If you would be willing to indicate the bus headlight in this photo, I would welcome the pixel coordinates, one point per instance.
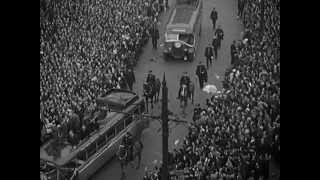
(177, 44)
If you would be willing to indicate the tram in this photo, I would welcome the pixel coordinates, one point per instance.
(124, 114)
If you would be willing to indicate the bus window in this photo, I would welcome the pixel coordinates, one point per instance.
(101, 141)
(82, 156)
(91, 150)
(128, 120)
(120, 126)
(188, 38)
(111, 133)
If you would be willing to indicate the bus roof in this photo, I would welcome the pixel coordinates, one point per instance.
(67, 154)
(183, 19)
(117, 98)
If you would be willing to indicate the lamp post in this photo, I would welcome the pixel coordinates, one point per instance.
(164, 117)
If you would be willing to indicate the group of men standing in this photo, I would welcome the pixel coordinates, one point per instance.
(211, 51)
(201, 73)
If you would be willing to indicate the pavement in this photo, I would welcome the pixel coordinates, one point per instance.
(151, 136)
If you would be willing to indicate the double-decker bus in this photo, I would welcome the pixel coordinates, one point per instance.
(124, 114)
(183, 30)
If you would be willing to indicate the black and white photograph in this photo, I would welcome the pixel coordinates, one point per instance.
(159, 89)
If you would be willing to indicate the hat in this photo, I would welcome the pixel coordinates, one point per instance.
(185, 72)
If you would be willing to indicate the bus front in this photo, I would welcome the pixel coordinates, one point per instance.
(179, 45)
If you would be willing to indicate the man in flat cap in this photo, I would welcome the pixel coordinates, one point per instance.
(209, 55)
(201, 72)
(214, 17)
(220, 34)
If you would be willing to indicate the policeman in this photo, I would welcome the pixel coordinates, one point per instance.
(214, 17)
(201, 72)
(185, 79)
(219, 33)
(215, 45)
(209, 55)
(196, 112)
(151, 77)
(122, 83)
(145, 88)
(233, 51)
(122, 153)
(129, 145)
(154, 35)
(129, 75)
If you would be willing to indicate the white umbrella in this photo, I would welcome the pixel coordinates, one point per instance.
(210, 88)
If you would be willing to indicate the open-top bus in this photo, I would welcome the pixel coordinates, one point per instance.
(124, 115)
(183, 30)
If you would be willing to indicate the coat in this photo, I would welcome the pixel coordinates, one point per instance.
(208, 52)
(151, 78)
(130, 77)
(155, 33)
(184, 80)
(233, 49)
(219, 33)
(214, 15)
(201, 72)
(215, 43)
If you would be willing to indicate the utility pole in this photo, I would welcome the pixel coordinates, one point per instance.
(165, 135)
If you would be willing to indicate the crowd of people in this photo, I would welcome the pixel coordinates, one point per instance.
(237, 132)
(86, 48)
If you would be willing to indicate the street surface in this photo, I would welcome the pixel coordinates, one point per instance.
(151, 137)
